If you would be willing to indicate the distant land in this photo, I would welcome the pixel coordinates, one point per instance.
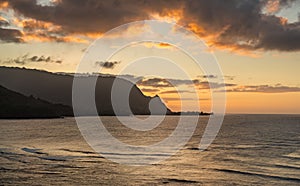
(15, 105)
(30, 93)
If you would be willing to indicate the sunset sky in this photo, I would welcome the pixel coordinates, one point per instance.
(256, 43)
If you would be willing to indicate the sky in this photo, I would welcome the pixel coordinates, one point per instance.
(256, 44)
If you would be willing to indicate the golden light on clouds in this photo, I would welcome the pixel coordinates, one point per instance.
(41, 31)
(3, 5)
(157, 45)
(171, 16)
(272, 6)
(38, 38)
(283, 20)
(212, 41)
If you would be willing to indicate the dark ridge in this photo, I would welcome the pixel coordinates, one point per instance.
(57, 89)
(14, 105)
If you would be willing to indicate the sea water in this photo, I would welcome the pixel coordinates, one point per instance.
(248, 150)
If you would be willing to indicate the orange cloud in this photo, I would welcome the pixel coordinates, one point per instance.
(3, 5)
(2, 19)
(164, 45)
(211, 39)
(272, 6)
(283, 20)
(168, 15)
(156, 45)
(93, 35)
(41, 31)
(44, 38)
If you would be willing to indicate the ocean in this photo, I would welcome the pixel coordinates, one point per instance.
(248, 150)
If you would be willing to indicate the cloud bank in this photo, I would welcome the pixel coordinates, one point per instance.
(232, 24)
(25, 59)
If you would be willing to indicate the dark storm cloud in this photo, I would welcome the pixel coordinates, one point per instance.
(241, 24)
(107, 64)
(33, 59)
(85, 15)
(236, 24)
(10, 35)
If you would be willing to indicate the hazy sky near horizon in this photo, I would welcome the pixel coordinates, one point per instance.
(256, 43)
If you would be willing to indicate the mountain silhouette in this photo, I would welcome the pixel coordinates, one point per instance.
(15, 105)
(57, 89)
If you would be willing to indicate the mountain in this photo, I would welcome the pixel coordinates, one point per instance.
(16, 105)
(57, 89)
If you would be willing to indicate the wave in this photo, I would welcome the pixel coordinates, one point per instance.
(258, 174)
(168, 180)
(34, 151)
(78, 151)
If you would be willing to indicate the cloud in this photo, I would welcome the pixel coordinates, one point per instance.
(35, 30)
(150, 90)
(274, 6)
(107, 64)
(157, 83)
(168, 83)
(264, 89)
(230, 78)
(83, 16)
(237, 25)
(10, 35)
(211, 85)
(25, 59)
(242, 25)
(225, 77)
(208, 76)
(157, 45)
(3, 21)
(163, 83)
(175, 91)
(183, 99)
(154, 82)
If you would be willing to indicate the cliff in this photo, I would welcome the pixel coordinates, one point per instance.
(57, 89)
